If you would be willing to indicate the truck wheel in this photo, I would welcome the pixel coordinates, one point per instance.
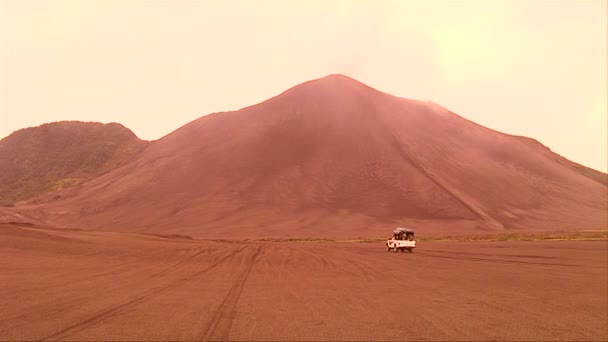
(410, 250)
(388, 249)
(396, 249)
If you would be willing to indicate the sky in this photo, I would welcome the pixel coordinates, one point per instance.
(535, 68)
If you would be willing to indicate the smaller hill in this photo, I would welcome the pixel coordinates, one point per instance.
(56, 155)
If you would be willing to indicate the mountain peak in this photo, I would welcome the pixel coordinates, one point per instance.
(338, 77)
(337, 80)
(330, 157)
(334, 87)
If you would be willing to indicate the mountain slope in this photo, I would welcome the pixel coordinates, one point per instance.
(334, 157)
(61, 154)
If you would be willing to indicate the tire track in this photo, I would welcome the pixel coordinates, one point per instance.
(114, 269)
(493, 254)
(500, 261)
(220, 325)
(80, 302)
(180, 263)
(112, 311)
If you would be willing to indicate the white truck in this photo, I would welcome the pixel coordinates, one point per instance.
(401, 241)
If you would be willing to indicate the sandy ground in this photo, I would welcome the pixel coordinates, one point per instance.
(83, 285)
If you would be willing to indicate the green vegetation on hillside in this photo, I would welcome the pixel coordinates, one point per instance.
(584, 235)
(61, 154)
(600, 234)
(582, 170)
(590, 173)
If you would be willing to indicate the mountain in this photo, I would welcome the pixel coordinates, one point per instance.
(334, 157)
(61, 154)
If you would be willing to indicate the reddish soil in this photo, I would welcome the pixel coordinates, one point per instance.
(332, 157)
(89, 285)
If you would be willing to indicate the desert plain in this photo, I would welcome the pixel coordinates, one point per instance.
(70, 284)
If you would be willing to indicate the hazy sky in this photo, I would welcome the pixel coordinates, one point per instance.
(533, 68)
